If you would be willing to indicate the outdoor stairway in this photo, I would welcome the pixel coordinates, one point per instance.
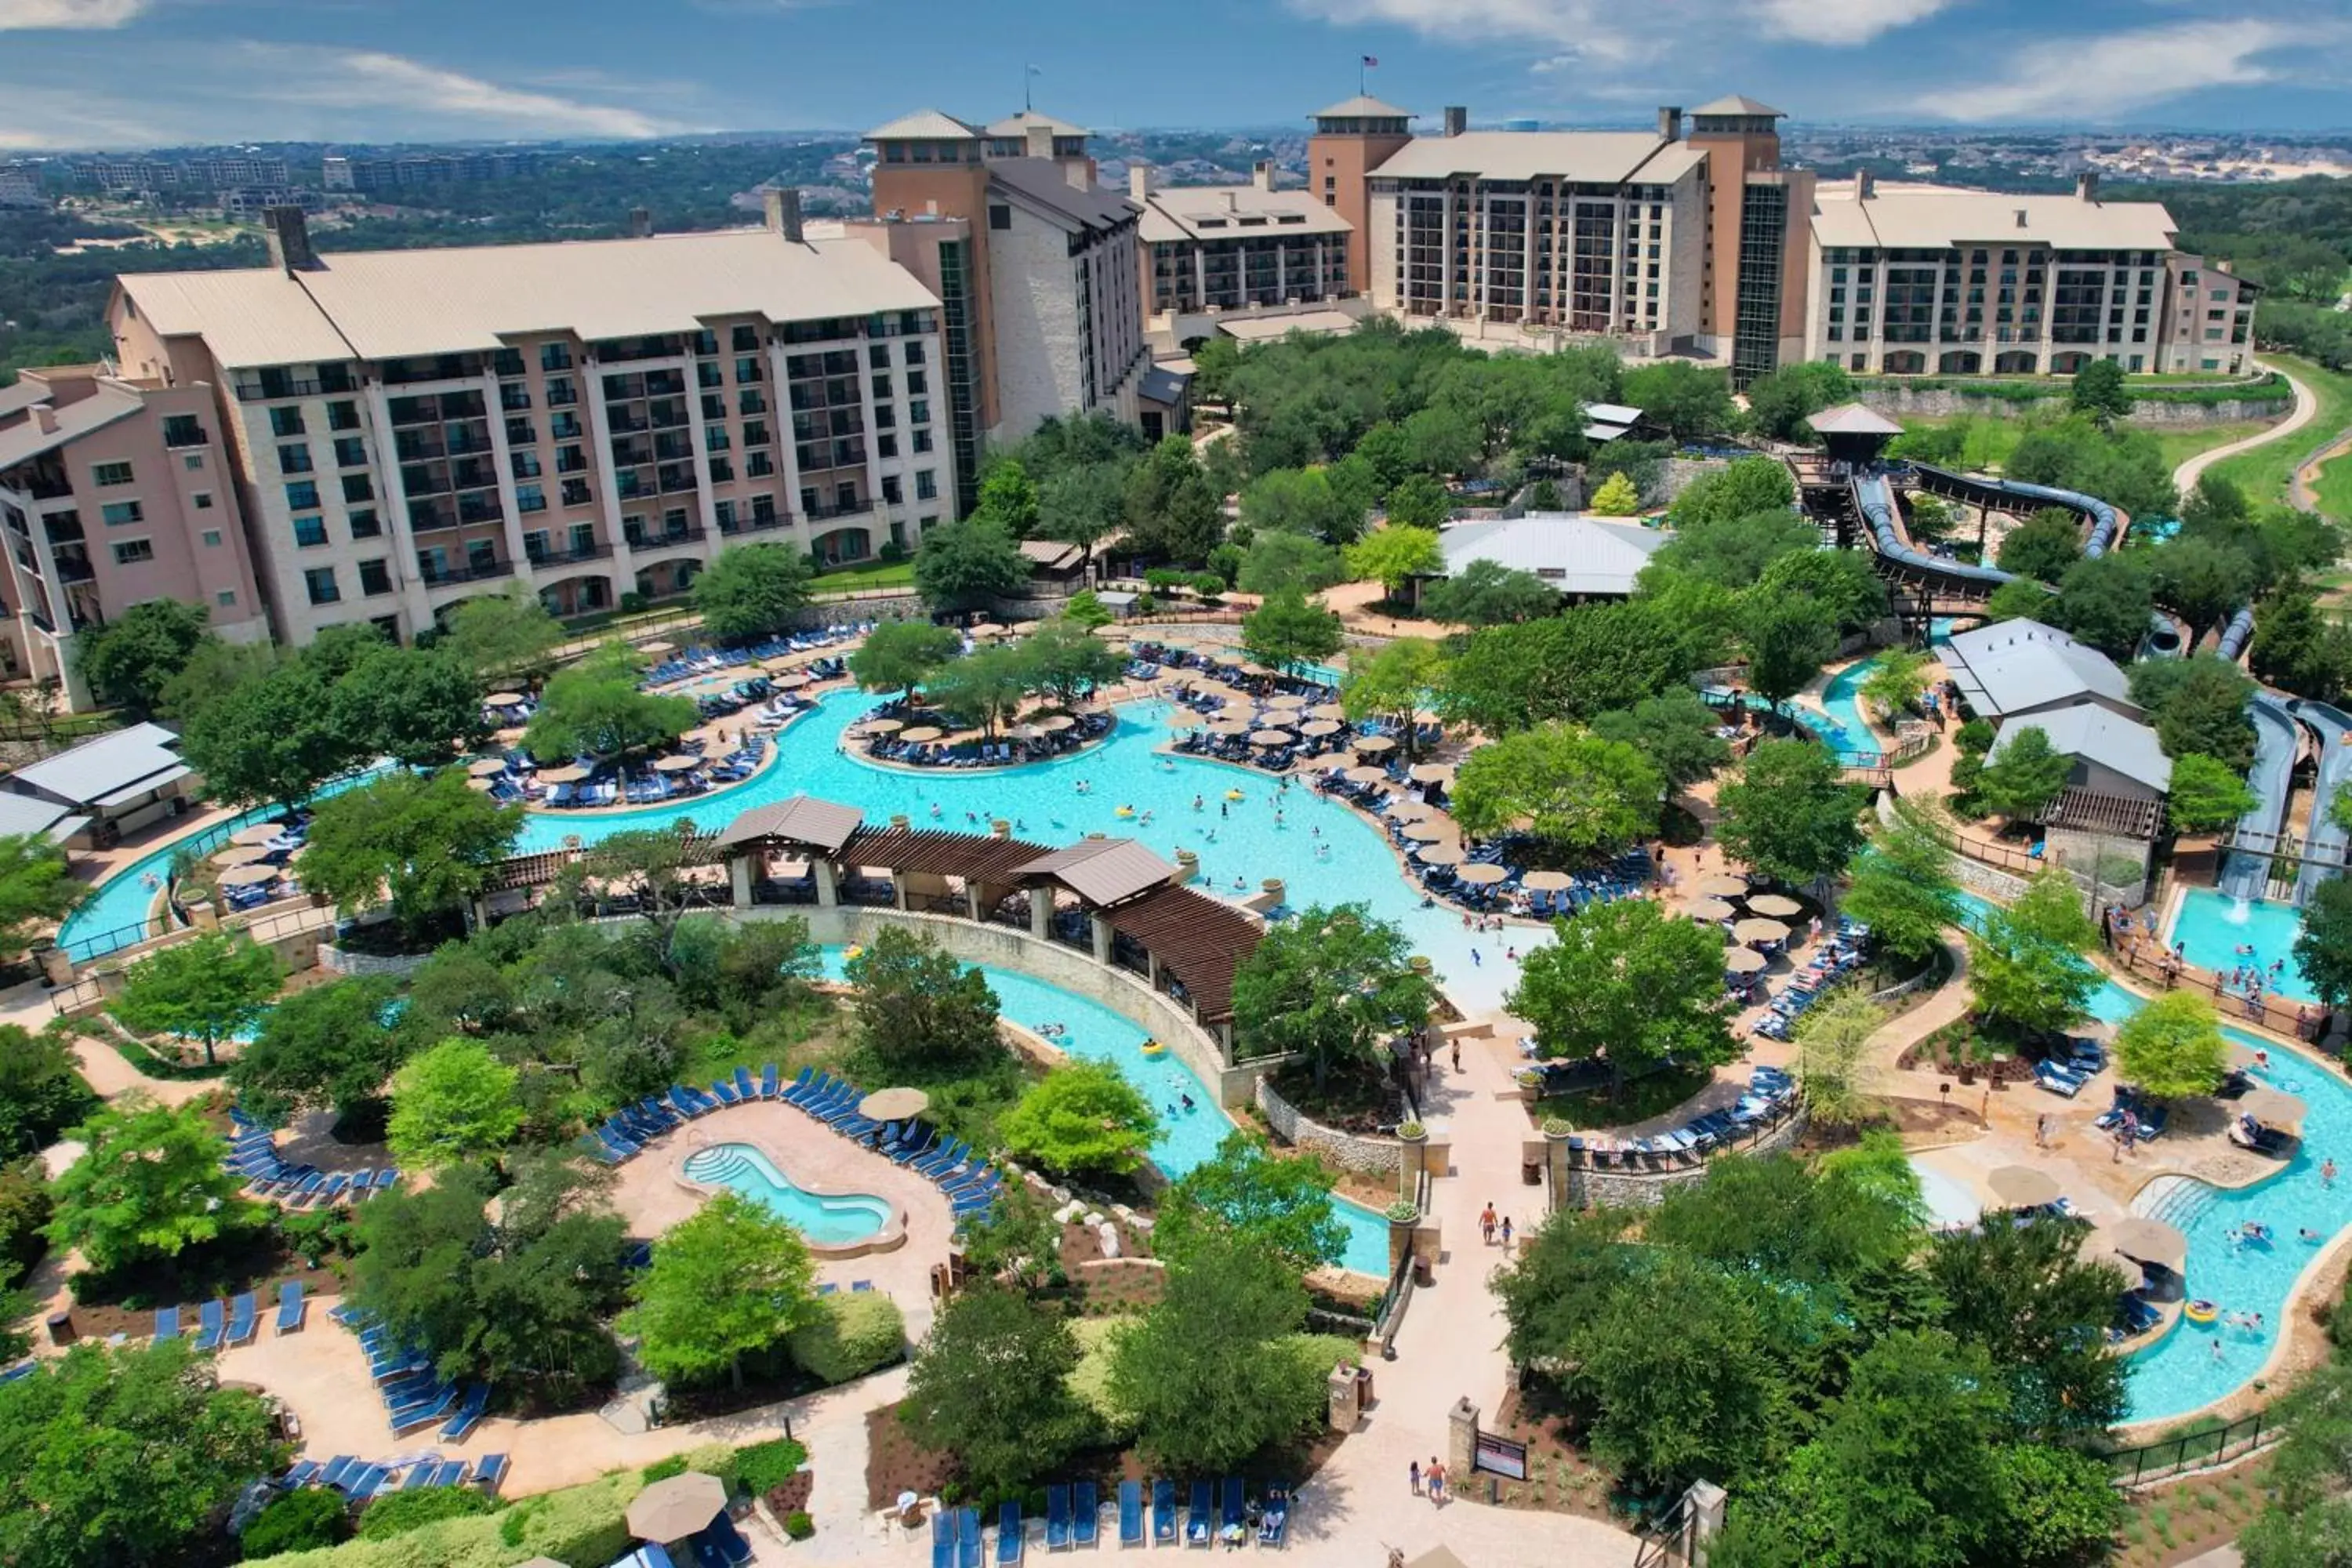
(714, 1166)
(2179, 1201)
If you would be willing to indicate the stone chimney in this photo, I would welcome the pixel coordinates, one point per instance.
(1670, 123)
(2086, 185)
(1262, 173)
(286, 233)
(1457, 118)
(641, 223)
(783, 210)
(1233, 202)
(44, 419)
(1864, 185)
(2020, 218)
(1139, 182)
(1041, 140)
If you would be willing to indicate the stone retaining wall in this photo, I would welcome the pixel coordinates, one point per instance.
(1625, 1189)
(1939, 401)
(1365, 1156)
(1989, 881)
(338, 961)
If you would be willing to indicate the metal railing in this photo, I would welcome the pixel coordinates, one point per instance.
(2302, 1020)
(1669, 1538)
(2193, 1450)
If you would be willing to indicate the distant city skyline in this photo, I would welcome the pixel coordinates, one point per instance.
(138, 73)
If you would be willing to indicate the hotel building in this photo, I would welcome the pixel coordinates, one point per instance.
(1216, 254)
(408, 428)
(2209, 317)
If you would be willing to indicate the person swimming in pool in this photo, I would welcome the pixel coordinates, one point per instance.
(1187, 1101)
(1197, 803)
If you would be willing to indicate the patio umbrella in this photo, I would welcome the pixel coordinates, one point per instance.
(1318, 728)
(1270, 738)
(1228, 726)
(568, 774)
(894, 1104)
(2144, 1240)
(1367, 776)
(249, 875)
(1743, 961)
(1328, 710)
(481, 786)
(922, 732)
(1431, 772)
(1057, 724)
(487, 768)
(1325, 762)
(1775, 906)
(1410, 811)
(987, 629)
(2023, 1187)
(1722, 887)
(791, 682)
(1748, 933)
(1287, 701)
(2241, 1058)
(1546, 881)
(1185, 721)
(1430, 830)
(1482, 876)
(884, 726)
(264, 833)
(1436, 1557)
(1376, 743)
(1712, 910)
(1439, 853)
(1110, 632)
(677, 1508)
(680, 764)
(503, 698)
(241, 854)
(2270, 1107)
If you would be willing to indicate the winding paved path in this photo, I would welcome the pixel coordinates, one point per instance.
(2307, 409)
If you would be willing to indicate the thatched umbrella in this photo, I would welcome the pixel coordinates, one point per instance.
(1712, 910)
(1775, 906)
(1484, 876)
(1749, 932)
(2271, 1107)
(1743, 961)
(1439, 853)
(1722, 887)
(1546, 881)
(2146, 1240)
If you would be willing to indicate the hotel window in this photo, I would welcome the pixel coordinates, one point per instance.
(357, 489)
(927, 484)
(294, 459)
(555, 356)
(922, 440)
(744, 338)
(917, 384)
(342, 416)
(227, 598)
(764, 511)
(350, 452)
(319, 581)
(561, 393)
(212, 538)
(365, 524)
(376, 577)
(918, 411)
(890, 490)
(1000, 216)
(302, 495)
(204, 501)
(529, 497)
(131, 552)
(519, 433)
(286, 422)
(109, 473)
(309, 531)
(119, 512)
(886, 445)
(525, 465)
(914, 353)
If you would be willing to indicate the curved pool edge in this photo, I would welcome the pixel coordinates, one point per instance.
(890, 1238)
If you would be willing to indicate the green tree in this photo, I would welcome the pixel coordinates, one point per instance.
(41, 1090)
(984, 687)
(1417, 501)
(1904, 885)
(208, 988)
(1288, 632)
(2023, 772)
(2026, 1295)
(1172, 510)
(1897, 677)
(2018, 599)
(915, 1004)
(1083, 1117)
(1615, 498)
(37, 887)
(1332, 984)
(1843, 582)
(2306, 1521)
(1393, 556)
(323, 1044)
(1392, 682)
(270, 739)
(451, 1103)
(427, 844)
(1689, 400)
(1083, 506)
(2207, 798)
(1086, 607)
(213, 667)
(2198, 705)
(1675, 731)
(1734, 552)
(733, 1279)
(1008, 499)
(1833, 1040)
(297, 1522)
(2172, 1047)
(2106, 601)
(128, 661)
(1788, 637)
(2201, 582)
(420, 709)
(1789, 815)
(150, 1184)
(966, 565)
(1747, 487)
(751, 591)
(1577, 664)
(505, 637)
(1270, 1203)
(1294, 501)
(1208, 1370)
(2044, 545)
(990, 1385)
(898, 655)
(1276, 561)
(125, 1458)
(849, 1336)
(2099, 390)
(1627, 983)
(1069, 663)
(2025, 962)
(2057, 1506)
(1544, 496)
(1779, 403)
(596, 708)
(1578, 792)
(1489, 593)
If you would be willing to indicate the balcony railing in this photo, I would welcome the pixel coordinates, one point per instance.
(565, 557)
(666, 539)
(470, 572)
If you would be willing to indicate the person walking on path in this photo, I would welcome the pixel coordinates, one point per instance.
(1457, 1052)
(1437, 1474)
(1487, 1225)
(1506, 1232)
(1413, 1473)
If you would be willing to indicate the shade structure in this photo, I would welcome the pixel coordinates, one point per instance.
(1439, 853)
(568, 774)
(1328, 710)
(1376, 743)
(1431, 772)
(2023, 1186)
(1748, 932)
(657, 650)
(894, 1104)
(677, 1508)
(922, 732)
(2270, 1107)
(883, 726)
(679, 765)
(1185, 721)
(1327, 762)
(1410, 811)
(1743, 961)
(1287, 701)
(503, 698)
(1270, 738)
(264, 833)
(1110, 632)
(1709, 909)
(2146, 1240)
(487, 768)
(1775, 906)
(986, 629)
(1367, 776)
(1318, 728)
(1482, 876)
(1722, 887)
(1057, 724)
(1228, 726)
(244, 853)
(249, 875)
(1546, 881)
(1430, 830)
(791, 682)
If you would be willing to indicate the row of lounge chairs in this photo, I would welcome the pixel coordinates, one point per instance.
(361, 1480)
(2064, 1071)
(253, 1154)
(1839, 956)
(415, 1397)
(1771, 1091)
(1215, 1511)
(688, 663)
(218, 1324)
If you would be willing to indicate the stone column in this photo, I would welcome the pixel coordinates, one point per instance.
(1409, 1164)
(828, 883)
(1340, 1390)
(1102, 938)
(1461, 1444)
(1399, 1241)
(1041, 913)
(739, 879)
(1705, 1516)
(1188, 867)
(1556, 1154)
(57, 964)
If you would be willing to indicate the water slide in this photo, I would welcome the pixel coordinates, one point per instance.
(2244, 875)
(2323, 845)
(2002, 495)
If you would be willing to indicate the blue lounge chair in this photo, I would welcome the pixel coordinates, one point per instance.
(1130, 1513)
(1274, 1521)
(1058, 1518)
(1085, 1513)
(685, 1106)
(301, 1475)
(811, 1082)
(733, 1547)
(654, 1554)
(970, 1550)
(423, 1413)
(167, 1323)
(448, 1473)
(420, 1475)
(335, 1469)
(726, 1092)
(478, 1399)
(1008, 1533)
(490, 1472)
(913, 1146)
(858, 1285)
(746, 1087)
(242, 1320)
(1199, 1530)
(360, 1482)
(1235, 1510)
(212, 1322)
(769, 1074)
(944, 1526)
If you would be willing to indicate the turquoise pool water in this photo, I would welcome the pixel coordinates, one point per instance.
(1324, 852)
(2211, 926)
(832, 1221)
(1838, 719)
(1187, 1138)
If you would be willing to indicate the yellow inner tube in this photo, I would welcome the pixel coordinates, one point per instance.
(1154, 1048)
(2201, 1311)
(1127, 811)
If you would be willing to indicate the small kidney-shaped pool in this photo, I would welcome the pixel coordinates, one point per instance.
(826, 1219)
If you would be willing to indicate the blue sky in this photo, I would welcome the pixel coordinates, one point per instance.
(77, 73)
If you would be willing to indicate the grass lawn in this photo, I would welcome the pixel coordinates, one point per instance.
(1644, 1098)
(2180, 444)
(1991, 439)
(2334, 486)
(876, 574)
(2264, 473)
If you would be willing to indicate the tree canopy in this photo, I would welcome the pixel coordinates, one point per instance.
(1331, 983)
(1083, 1117)
(733, 1279)
(990, 1385)
(150, 1184)
(898, 655)
(37, 887)
(750, 591)
(1578, 792)
(453, 1101)
(1489, 593)
(965, 566)
(2172, 1047)
(504, 637)
(326, 1045)
(1904, 885)
(209, 988)
(2025, 961)
(1288, 631)
(128, 661)
(1393, 556)
(427, 844)
(1627, 983)
(2022, 773)
(2206, 796)
(1789, 814)
(596, 708)
(914, 1002)
(1275, 1202)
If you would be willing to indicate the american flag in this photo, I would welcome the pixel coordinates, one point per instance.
(1371, 59)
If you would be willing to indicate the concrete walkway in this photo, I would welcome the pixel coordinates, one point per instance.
(2307, 409)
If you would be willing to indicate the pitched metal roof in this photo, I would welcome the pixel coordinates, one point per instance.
(22, 814)
(1739, 103)
(1939, 219)
(127, 760)
(1853, 419)
(1230, 212)
(1581, 157)
(1362, 107)
(1199, 940)
(26, 439)
(801, 820)
(1266, 329)
(1019, 122)
(925, 125)
(1574, 553)
(2097, 735)
(1041, 183)
(2014, 666)
(1104, 872)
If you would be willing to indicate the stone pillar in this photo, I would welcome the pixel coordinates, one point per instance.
(1705, 1515)
(57, 964)
(1461, 1444)
(1041, 913)
(828, 883)
(1555, 1152)
(898, 890)
(1000, 828)
(1188, 867)
(1399, 1241)
(1408, 1166)
(739, 879)
(1341, 1386)
(1102, 938)
(202, 915)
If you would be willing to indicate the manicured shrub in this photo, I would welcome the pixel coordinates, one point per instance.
(404, 1512)
(857, 1333)
(799, 1525)
(764, 1467)
(296, 1522)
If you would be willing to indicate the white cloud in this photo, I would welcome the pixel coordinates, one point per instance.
(438, 100)
(42, 120)
(1845, 21)
(2095, 78)
(68, 15)
(1610, 31)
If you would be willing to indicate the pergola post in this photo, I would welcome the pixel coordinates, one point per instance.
(828, 882)
(1102, 938)
(1041, 913)
(739, 879)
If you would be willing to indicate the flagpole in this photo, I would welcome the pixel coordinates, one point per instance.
(1360, 76)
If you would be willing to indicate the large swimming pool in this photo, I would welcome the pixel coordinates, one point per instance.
(827, 1219)
(1186, 1138)
(2212, 926)
(1839, 721)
